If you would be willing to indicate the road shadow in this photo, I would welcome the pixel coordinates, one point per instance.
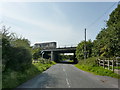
(66, 62)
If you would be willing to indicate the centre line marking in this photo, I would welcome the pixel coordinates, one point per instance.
(67, 83)
(63, 69)
(66, 78)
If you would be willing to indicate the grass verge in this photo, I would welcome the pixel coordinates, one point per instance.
(90, 66)
(115, 67)
(12, 79)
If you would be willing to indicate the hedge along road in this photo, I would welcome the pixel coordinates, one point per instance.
(68, 76)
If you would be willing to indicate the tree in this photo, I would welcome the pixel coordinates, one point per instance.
(21, 42)
(16, 52)
(36, 53)
(80, 49)
(6, 48)
(108, 40)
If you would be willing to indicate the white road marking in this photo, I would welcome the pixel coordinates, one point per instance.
(67, 83)
(63, 69)
(66, 78)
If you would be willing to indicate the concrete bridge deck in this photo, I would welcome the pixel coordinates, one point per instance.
(64, 50)
(54, 52)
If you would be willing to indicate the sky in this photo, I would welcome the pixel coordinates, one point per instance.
(61, 22)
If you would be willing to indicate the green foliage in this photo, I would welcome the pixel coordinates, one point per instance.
(44, 61)
(98, 71)
(17, 60)
(52, 62)
(114, 17)
(16, 53)
(80, 49)
(20, 59)
(115, 67)
(108, 40)
(36, 53)
(6, 48)
(65, 57)
(11, 79)
(89, 62)
(21, 42)
(106, 45)
(89, 65)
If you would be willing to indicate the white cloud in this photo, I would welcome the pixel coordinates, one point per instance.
(53, 31)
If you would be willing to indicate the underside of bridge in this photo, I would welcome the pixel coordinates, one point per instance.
(53, 53)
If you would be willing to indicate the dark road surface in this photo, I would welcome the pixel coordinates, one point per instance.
(68, 76)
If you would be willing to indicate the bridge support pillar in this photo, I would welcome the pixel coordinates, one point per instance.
(75, 59)
(52, 56)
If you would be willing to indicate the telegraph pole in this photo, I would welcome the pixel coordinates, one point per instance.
(85, 46)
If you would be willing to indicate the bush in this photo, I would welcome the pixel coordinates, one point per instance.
(6, 49)
(89, 62)
(36, 53)
(20, 59)
(80, 49)
(16, 54)
(12, 79)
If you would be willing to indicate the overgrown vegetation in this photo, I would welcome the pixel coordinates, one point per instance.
(106, 45)
(62, 57)
(80, 49)
(16, 52)
(36, 53)
(90, 65)
(17, 56)
(12, 79)
(107, 41)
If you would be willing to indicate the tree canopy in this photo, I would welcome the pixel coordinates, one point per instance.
(107, 42)
(16, 52)
(80, 49)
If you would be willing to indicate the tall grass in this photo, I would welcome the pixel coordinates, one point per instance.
(11, 79)
(90, 65)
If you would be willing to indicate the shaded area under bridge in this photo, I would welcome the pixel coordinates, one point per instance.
(54, 53)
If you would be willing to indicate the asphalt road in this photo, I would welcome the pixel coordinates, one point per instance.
(68, 76)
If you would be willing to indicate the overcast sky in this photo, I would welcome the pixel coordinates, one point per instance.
(62, 22)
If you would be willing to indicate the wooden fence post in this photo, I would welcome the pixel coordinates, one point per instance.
(108, 64)
(113, 65)
(99, 62)
(103, 63)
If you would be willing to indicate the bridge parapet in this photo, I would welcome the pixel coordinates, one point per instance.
(67, 46)
(61, 49)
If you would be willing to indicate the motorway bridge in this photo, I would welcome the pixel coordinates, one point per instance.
(54, 52)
